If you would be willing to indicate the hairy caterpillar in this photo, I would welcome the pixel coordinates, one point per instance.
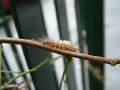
(62, 45)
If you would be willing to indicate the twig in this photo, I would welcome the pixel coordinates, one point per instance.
(111, 61)
(6, 71)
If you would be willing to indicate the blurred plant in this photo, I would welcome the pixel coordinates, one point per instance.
(20, 74)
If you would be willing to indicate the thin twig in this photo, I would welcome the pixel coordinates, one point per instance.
(6, 71)
(65, 70)
(111, 61)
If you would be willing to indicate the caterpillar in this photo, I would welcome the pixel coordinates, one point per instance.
(62, 45)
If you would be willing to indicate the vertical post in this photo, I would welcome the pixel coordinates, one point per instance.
(90, 18)
(64, 34)
(80, 6)
(95, 40)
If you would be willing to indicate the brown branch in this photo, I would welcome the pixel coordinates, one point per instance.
(111, 61)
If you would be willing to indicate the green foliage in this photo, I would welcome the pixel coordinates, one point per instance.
(32, 70)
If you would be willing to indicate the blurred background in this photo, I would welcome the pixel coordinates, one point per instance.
(90, 25)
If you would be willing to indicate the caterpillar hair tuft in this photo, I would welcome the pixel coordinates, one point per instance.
(62, 45)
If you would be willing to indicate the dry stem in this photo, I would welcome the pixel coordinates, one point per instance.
(111, 61)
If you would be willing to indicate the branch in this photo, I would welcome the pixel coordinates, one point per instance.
(111, 61)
